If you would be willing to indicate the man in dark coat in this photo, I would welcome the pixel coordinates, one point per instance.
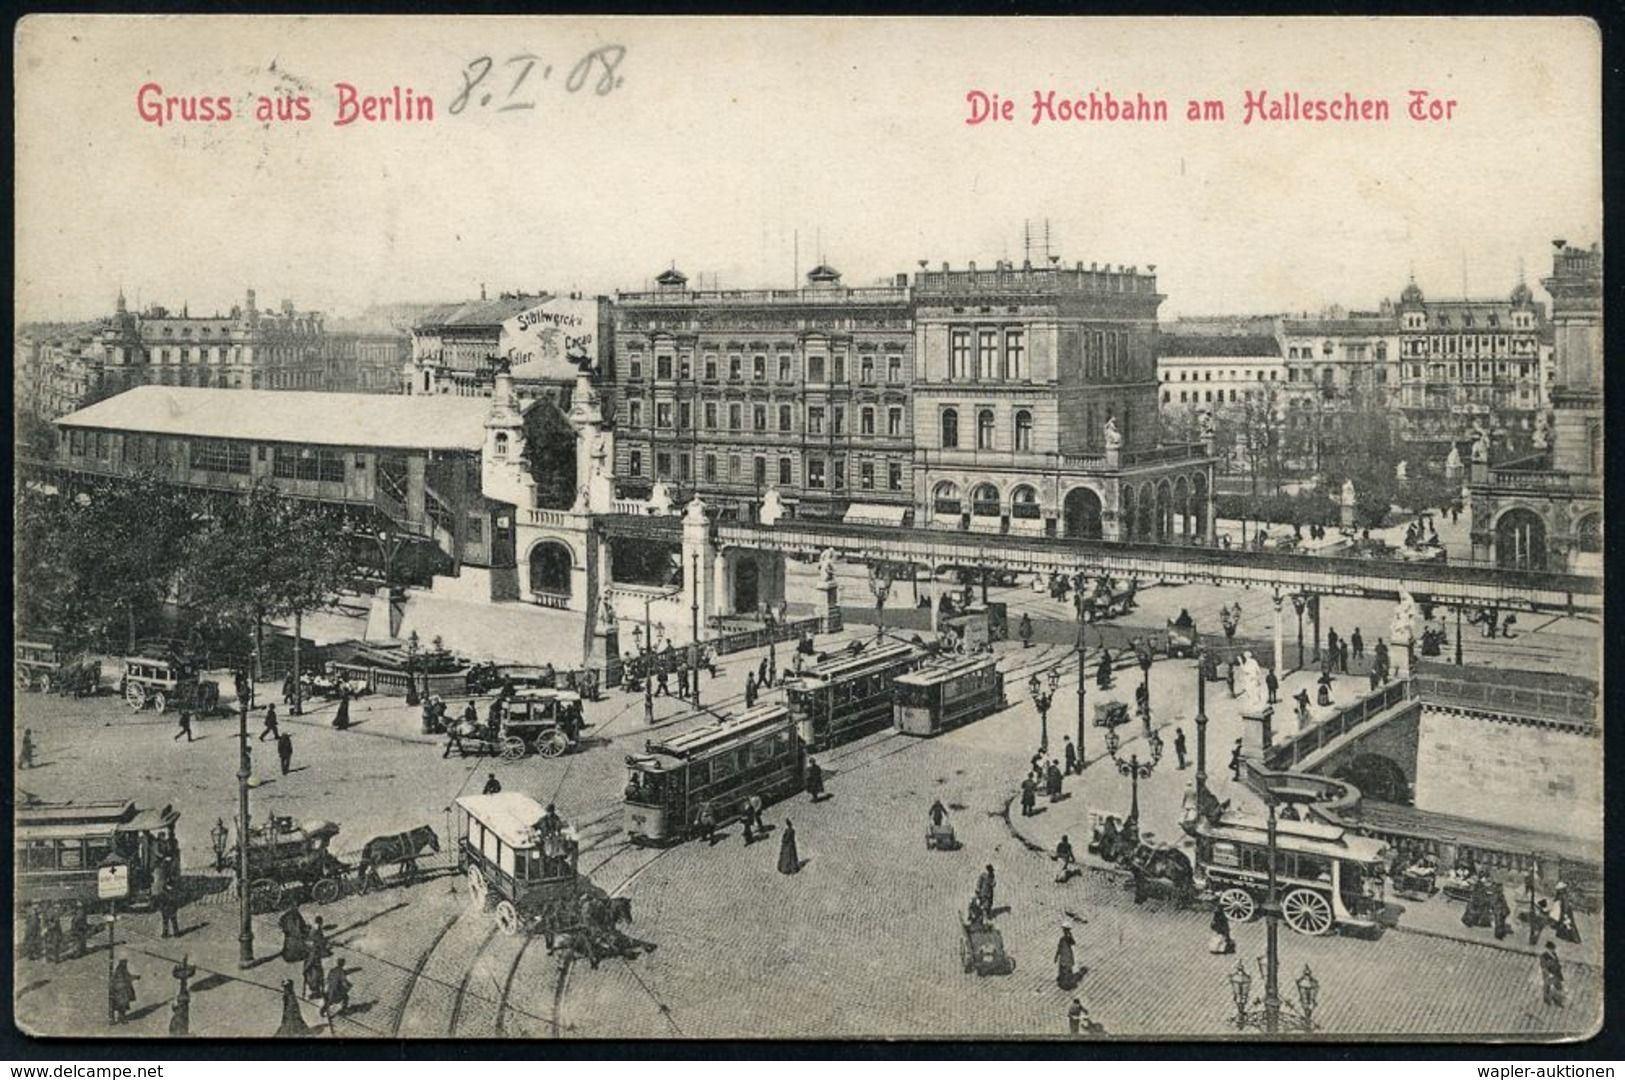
(284, 752)
(492, 785)
(1179, 746)
(1302, 698)
(1343, 657)
(1053, 781)
(1026, 630)
(1029, 796)
(789, 857)
(1103, 671)
(1272, 685)
(750, 689)
(185, 723)
(79, 928)
(1358, 643)
(269, 731)
(168, 902)
(315, 976)
(815, 780)
(1235, 761)
(986, 884)
(338, 990)
(939, 813)
(1071, 757)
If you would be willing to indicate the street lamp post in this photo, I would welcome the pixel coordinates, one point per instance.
(1272, 934)
(411, 669)
(217, 838)
(1083, 675)
(694, 648)
(1135, 769)
(880, 582)
(1143, 653)
(1201, 736)
(1270, 1018)
(1298, 601)
(245, 923)
(1043, 692)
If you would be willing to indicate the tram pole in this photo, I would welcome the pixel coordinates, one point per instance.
(1083, 673)
(694, 615)
(245, 923)
(1201, 733)
(1272, 958)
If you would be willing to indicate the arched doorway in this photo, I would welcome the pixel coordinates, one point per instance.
(984, 501)
(1182, 508)
(550, 570)
(1378, 778)
(1145, 516)
(1082, 513)
(1125, 514)
(1588, 534)
(1024, 503)
(1520, 540)
(747, 585)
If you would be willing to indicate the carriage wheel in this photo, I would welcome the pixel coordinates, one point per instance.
(326, 890)
(1307, 912)
(160, 701)
(967, 960)
(135, 696)
(45, 682)
(264, 895)
(507, 917)
(478, 890)
(512, 749)
(552, 744)
(1238, 905)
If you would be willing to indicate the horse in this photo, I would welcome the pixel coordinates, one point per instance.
(403, 848)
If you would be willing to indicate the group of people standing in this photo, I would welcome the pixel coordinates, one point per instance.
(307, 945)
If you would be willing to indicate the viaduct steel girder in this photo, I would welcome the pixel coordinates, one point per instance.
(1477, 586)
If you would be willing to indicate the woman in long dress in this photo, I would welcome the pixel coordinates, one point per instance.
(293, 1021)
(789, 859)
(294, 930)
(1064, 958)
(341, 719)
(1221, 943)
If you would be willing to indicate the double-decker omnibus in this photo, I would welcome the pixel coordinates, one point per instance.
(60, 845)
(947, 693)
(1325, 876)
(848, 697)
(722, 763)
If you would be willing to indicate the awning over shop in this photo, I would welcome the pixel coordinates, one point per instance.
(874, 514)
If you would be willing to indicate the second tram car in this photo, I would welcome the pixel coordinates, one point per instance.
(720, 763)
(1325, 876)
(947, 693)
(848, 697)
(61, 845)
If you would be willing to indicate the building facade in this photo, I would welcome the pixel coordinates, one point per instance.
(1036, 406)
(1338, 364)
(735, 393)
(1543, 510)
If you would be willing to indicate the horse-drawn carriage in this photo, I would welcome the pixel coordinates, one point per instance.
(1155, 865)
(1109, 599)
(289, 862)
(1183, 640)
(398, 850)
(532, 720)
(164, 681)
(42, 665)
(1110, 714)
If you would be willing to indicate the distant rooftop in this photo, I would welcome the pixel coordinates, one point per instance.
(1254, 345)
(482, 312)
(394, 421)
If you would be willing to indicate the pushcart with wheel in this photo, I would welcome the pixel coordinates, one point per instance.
(981, 949)
(941, 837)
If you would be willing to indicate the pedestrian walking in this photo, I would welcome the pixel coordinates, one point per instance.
(789, 857)
(315, 976)
(1272, 685)
(1221, 943)
(1103, 671)
(1071, 757)
(168, 901)
(120, 992)
(338, 990)
(663, 681)
(1343, 657)
(682, 681)
(53, 933)
(1302, 699)
(1331, 641)
(1179, 746)
(761, 673)
(750, 689)
(294, 931)
(1064, 855)
(25, 750)
(815, 781)
(293, 1024)
(1358, 644)
(1551, 976)
(1052, 781)
(938, 812)
(986, 885)
(1029, 796)
(284, 752)
(753, 810)
(317, 942)
(1076, 1016)
(492, 786)
(287, 689)
(185, 725)
(1025, 631)
(79, 929)
(706, 819)
(341, 719)
(1235, 761)
(270, 730)
(1064, 958)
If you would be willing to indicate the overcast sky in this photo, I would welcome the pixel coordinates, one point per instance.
(727, 138)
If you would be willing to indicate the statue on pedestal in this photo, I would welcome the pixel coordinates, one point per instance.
(1250, 685)
(826, 569)
(1205, 423)
(1481, 447)
(1403, 629)
(1452, 461)
(660, 498)
(606, 614)
(772, 508)
(1114, 438)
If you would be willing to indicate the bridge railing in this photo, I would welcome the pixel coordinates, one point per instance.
(1564, 709)
(1286, 754)
(758, 637)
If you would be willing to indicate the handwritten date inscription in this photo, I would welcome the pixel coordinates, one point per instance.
(513, 84)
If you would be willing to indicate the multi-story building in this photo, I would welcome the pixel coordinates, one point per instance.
(248, 349)
(1544, 510)
(1470, 364)
(1035, 406)
(1338, 364)
(733, 393)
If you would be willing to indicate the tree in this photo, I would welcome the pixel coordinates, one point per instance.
(265, 557)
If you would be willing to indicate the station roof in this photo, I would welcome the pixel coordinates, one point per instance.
(304, 417)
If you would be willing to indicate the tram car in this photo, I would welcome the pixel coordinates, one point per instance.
(947, 693)
(757, 752)
(1326, 877)
(520, 864)
(60, 846)
(848, 697)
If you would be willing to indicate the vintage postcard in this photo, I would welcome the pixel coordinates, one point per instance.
(666, 528)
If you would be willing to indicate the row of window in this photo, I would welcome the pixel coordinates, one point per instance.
(947, 501)
(1207, 376)
(1351, 351)
(1206, 396)
(215, 455)
(986, 428)
(868, 367)
(819, 419)
(992, 361)
(1521, 320)
(1468, 370)
(1456, 345)
(819, 472)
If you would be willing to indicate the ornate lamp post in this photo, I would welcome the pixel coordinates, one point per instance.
(1083, 675)
(1135, 769)
(412, 644)
(245, 923)
(880, 582)
(217, 838)
(1043, 692)
(694, 646)
(1143, 653)
(641, 637)
(1298, 602)
(1308, 986)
